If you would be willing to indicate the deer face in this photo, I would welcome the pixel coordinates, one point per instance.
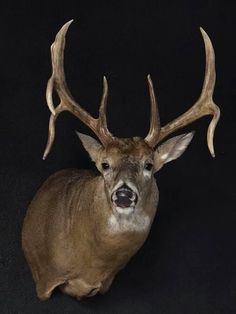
(127, 166)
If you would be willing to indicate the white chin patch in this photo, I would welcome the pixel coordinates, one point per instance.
(126, 210)
(128, 220)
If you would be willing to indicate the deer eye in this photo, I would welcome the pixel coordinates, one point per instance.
(105, 165)
(148, 166)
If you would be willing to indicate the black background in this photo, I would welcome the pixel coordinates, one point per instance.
(188, 263)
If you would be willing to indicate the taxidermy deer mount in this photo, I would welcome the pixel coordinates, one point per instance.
(82, 228)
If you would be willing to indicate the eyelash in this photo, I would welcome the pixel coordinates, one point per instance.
(148, 166)
(105, 166)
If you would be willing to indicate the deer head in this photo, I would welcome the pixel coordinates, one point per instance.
(128, 164)
(89, 226)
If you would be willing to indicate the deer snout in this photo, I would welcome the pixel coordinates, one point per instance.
(124, 197)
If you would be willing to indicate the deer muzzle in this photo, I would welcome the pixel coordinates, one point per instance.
(124, 197)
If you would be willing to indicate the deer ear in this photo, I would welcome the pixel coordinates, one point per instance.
(171, 149)
(92, 146)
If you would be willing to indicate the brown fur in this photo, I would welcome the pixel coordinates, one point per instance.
(68, 237)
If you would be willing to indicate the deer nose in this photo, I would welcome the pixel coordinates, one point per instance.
(124, 197)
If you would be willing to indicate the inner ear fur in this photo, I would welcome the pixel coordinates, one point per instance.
(171, 149)
(92, 146)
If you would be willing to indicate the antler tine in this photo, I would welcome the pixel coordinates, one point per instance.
(57, 81)
(155, 126)
(203, 106)
(102, 119)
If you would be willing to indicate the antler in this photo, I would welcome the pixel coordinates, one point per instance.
(203, 106)
(58, 82)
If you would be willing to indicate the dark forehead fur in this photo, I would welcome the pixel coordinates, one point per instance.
(135, 146)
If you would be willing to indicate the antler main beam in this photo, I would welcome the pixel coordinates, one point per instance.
(57, 82)
(203, 106)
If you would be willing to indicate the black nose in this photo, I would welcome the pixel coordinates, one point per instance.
(124, 197)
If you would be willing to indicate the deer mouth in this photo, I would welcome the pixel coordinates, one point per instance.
(124, 197)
